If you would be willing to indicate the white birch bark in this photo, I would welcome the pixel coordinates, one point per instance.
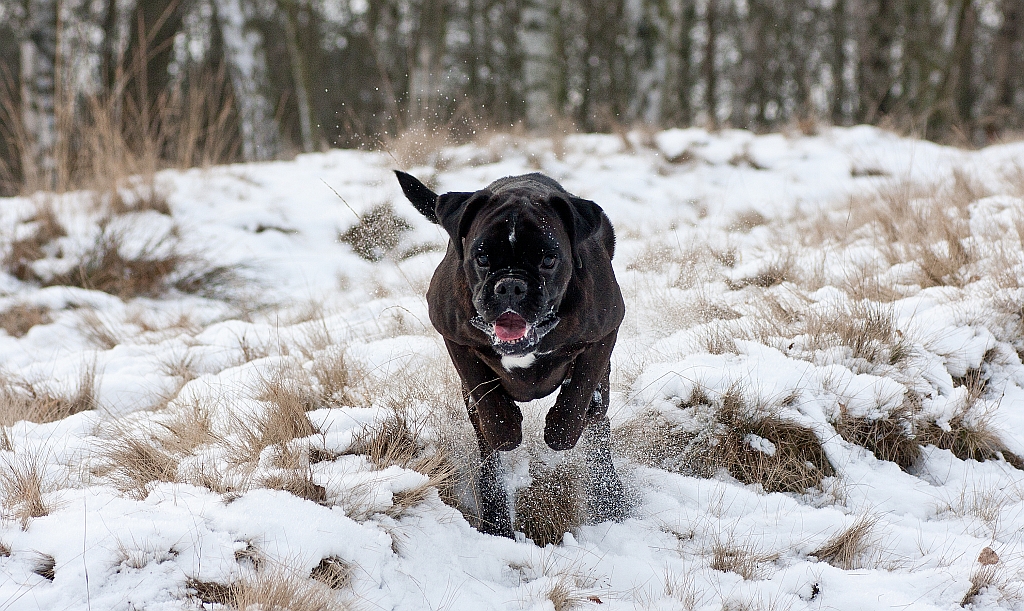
(538, 59)
(38, 94)
(247, 65)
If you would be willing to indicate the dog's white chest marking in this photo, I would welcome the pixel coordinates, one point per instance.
(518, 362)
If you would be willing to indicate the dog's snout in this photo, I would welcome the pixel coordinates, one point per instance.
(510, 287)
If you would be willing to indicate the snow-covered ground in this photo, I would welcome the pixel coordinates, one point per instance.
(701, 219)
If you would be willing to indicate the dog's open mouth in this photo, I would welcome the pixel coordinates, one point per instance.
(510, 327)
(511, 334)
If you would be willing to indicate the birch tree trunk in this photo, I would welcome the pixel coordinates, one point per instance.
(38, 94)
(538, 59)
(298, 76)
(425, 75)
(247, 68)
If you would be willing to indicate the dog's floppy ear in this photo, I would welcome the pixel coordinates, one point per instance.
(456, 211)
(421, 197)
(581, 217)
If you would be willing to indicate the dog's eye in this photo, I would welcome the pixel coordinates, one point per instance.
(483, 260)
(548, 261)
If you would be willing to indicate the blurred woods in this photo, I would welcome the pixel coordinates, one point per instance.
(99, 87)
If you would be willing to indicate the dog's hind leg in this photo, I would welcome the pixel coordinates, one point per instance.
(605, 495)
(493, 500)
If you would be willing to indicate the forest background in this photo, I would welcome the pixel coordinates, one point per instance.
(98, 88)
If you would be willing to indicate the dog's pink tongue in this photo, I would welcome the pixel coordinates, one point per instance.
(510, 327)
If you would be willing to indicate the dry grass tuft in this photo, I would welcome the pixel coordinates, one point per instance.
(971, 433)
(23, 484)
(267, 589)
(5, 550)
(868, 329)
(418, 145)
(22, 399)
(844, 549)
(333, 572)
(44, 565)
(779, 270)
(982, 578)
(377, 233)
(133, 461)
(274, 426)
(137, 197)
(23, 252)
(397, 441)
(746, 562)
(17, 320)
(298, 482)
(753, 444)
(337, 378)
(553, 504)
(747, 220)
(888, 437)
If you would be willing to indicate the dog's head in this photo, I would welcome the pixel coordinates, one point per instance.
(518, 247)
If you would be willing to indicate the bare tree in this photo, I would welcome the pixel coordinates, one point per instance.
(38, 93)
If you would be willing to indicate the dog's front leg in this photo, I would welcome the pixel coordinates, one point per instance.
(497, 422)
(566, 419)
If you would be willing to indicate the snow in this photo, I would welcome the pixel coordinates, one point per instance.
(674, 199)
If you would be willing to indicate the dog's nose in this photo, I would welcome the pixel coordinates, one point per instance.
(510, 288)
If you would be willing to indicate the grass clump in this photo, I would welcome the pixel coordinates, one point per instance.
(728, 557)
(377, 233)
(23, 484)
(553, 504)
(397, 441)
(22, 399)
(844, 549)
(754, 444)
(890, 437)
(867, 328)
(275, 588)
(970, 433)
(44, 228)
(18, 319)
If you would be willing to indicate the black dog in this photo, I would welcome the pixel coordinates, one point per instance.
(527, 303)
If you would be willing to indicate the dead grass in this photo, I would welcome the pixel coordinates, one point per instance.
(134, 461)
(338, 379)
(729, 557)
(18, 319)
(846, 548)
(272, 588)
(333, 572)
(298, 482)
(890, 437)
(926, 224)
(752, 443)
(867, 328)
(23, 484)
(397, 441)
(982, 578)
(45, 228)
(284, 419)
(377, 233)
(776, 271)
(44, 565)
(108, 265)
(135, 196)
(36, 401)
(553, 504)
(418, 145)
(971, 433)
